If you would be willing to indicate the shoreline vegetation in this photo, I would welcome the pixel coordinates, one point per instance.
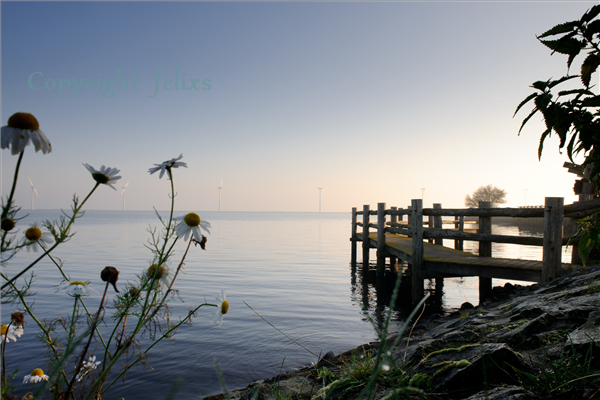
(537, 342)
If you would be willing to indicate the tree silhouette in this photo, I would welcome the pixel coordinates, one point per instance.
(490, 193)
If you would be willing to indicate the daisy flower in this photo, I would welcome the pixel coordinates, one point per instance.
(21, 129)
(167, 165)
(191, 223)
(222, 308)
(34, 238)
(37, 375)
(105, 175)
(163, 275)
(87, 367)
(11, 333)
(77, 288)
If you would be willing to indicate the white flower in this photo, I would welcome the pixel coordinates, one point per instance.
(21, 128)
(87, 367)
(35, 238)
(164, 275)
(222, 308)
(11, 333)
(105, 175)
(36, 376)
(167, 165)
(191, 223)
(77, 288)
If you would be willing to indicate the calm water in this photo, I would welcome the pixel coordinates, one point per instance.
(293, 268)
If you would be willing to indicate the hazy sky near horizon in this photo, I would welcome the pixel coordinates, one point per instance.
(371, 101)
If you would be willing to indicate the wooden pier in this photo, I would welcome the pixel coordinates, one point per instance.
(397, 239)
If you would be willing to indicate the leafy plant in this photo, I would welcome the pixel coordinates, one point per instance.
(573, 114)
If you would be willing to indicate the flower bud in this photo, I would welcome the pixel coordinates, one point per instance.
(8, 224)
(110, 274)
(18, 319)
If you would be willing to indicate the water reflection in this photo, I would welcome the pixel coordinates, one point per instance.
(375, 296)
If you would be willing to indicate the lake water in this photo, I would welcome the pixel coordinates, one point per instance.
(293, 268)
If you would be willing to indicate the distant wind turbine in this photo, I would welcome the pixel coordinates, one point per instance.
(123, 193)
(220, 187)
(32, 191)
(320, 189)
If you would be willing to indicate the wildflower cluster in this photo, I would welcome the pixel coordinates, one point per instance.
(73, 369)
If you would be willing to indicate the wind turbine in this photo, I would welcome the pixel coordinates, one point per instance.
(220, 187)
(33, 190)
(320, 189)
(123, 193)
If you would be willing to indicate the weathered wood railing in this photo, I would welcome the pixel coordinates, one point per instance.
(552, 240)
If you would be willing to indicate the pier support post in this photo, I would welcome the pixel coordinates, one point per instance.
(553, 225)
(459, 226)
(485, 250)
(380, 240)
(393, 259)
(437, 223)
(418, 290)
(366, 242)
(353, 238)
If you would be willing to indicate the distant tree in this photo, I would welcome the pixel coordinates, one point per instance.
(490, 193)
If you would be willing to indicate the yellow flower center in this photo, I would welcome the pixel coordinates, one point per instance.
(224, 307)
(37, 372)
(8, 224)
(100, 178)
(23, 120)
(77, 283)
(4, 329)
(34, 234)
(159, 273)
(192, 219)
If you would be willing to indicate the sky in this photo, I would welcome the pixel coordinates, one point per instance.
(371, 101)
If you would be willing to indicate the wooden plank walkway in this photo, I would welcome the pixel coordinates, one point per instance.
(441, 262)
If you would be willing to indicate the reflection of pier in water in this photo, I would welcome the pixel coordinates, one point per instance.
(395, 240)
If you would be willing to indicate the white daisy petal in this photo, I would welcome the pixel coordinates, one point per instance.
(37, 375)
(23, 128)
(191, 223)
(11, 333)
(77, 288)
(34, 238)
(167, 165)
(222, 308)
(105, 175)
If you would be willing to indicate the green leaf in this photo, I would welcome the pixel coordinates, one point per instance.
(540, 85)
(592, 29)
(570, 46)
(591, 14)
(527, 119)
(558, 29)
(593, 102)
(542, 138)
(565, 78)
(531, 96)
(576, 91)
(589, 66)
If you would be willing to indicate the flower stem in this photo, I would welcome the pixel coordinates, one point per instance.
(14, 185)
(3, 352)
(87, 346)
(59, 241)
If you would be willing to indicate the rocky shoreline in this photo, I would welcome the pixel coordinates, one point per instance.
(538, 342)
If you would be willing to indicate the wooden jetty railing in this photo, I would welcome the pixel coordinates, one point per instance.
(552, 241)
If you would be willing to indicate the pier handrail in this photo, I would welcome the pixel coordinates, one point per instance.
(552, 241)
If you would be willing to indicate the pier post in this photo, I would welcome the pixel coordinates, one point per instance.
(393, 259)
(418, 290)
(553, 221)
(366, 242)
(437, 223)
(485, 250)
(380, 240)
(353, 238)
(460, 226)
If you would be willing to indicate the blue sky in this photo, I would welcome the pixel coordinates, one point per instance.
(372, 101)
